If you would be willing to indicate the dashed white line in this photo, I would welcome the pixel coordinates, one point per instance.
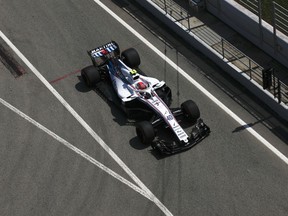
(192, 81)
(75, 149)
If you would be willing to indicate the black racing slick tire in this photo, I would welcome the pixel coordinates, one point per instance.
(131, 58)
(145, 132)
(190, 111)
(91, 76)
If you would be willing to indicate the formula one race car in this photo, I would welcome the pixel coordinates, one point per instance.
(144, 97)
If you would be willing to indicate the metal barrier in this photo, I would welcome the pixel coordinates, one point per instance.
(280, 18)
(253, 5)
(230, 53)
(170, 7)
(279, 14)
(277, 88)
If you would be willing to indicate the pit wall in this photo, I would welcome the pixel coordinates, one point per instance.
(231, 69)
(247, 24)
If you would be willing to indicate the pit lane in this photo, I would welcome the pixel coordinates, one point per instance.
(226, 168)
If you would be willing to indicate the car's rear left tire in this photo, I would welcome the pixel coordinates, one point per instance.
(131, 58)
(145, 132)
(90, 75)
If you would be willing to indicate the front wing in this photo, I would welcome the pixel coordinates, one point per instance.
(199, 131)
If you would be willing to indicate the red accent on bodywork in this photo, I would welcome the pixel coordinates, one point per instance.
(104, 51)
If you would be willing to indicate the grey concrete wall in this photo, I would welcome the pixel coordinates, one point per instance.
(196, 42)
(247, 24)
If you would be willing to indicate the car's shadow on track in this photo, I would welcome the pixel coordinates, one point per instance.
(118, 114)
(136, 144)
(81, 87)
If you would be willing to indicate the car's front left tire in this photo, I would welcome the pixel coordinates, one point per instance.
(145, 132)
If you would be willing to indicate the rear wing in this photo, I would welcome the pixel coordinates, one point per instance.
(101, 54)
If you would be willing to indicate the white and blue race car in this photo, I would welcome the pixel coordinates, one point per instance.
(145, 98)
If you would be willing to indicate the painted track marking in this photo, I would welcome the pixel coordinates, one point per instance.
(96, 137)
(195, 83)
(64, 76)
(75, 149)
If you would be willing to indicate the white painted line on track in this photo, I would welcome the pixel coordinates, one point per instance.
(194, 82)
(98, 139)
(75, 149)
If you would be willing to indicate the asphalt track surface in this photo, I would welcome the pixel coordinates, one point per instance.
(228, 173)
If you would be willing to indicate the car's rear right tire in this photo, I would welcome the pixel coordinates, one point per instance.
(145, 132)
(90, 75)
(131, 58)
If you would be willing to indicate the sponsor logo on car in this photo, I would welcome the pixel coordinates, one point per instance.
(170, 117)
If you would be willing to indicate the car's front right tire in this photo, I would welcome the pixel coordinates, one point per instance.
(190, 111)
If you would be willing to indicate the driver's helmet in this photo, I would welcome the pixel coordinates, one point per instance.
(141, 85)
